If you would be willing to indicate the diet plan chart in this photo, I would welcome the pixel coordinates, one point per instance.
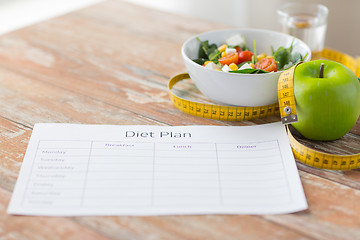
(76, 170)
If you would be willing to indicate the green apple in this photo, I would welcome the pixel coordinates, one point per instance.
(327, 96)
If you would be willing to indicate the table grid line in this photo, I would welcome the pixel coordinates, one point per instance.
(86, 174)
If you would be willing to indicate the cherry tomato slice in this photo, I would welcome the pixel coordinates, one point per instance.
(245, 56)
(229, 59)
(238, 49)
(267, 64)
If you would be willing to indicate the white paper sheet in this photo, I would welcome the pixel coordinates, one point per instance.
(74, 170)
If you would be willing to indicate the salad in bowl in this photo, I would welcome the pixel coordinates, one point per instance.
(235, 56)
(228, 65)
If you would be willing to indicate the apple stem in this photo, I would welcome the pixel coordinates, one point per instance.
(321, 74)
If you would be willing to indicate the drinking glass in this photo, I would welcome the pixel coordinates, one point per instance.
(306, 21)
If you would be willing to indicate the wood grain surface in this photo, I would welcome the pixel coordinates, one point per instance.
(110, 64)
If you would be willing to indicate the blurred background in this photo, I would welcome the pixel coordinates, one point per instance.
(343, 32)
(15, 14)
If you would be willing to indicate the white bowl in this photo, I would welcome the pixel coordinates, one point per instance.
(233, 88)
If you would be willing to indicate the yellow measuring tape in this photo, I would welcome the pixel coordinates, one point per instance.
(217, 112)
(287, 109)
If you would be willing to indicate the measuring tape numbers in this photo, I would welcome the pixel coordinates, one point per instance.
(311, 157)
(320, 159)
(286, 108)
(218, 112)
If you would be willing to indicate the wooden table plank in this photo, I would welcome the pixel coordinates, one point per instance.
(49, 103)
(109, 64)
(13, 142)
(191, 227)
(332, 213)
(23, 227)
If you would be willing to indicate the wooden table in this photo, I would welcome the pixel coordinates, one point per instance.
(110, 64)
